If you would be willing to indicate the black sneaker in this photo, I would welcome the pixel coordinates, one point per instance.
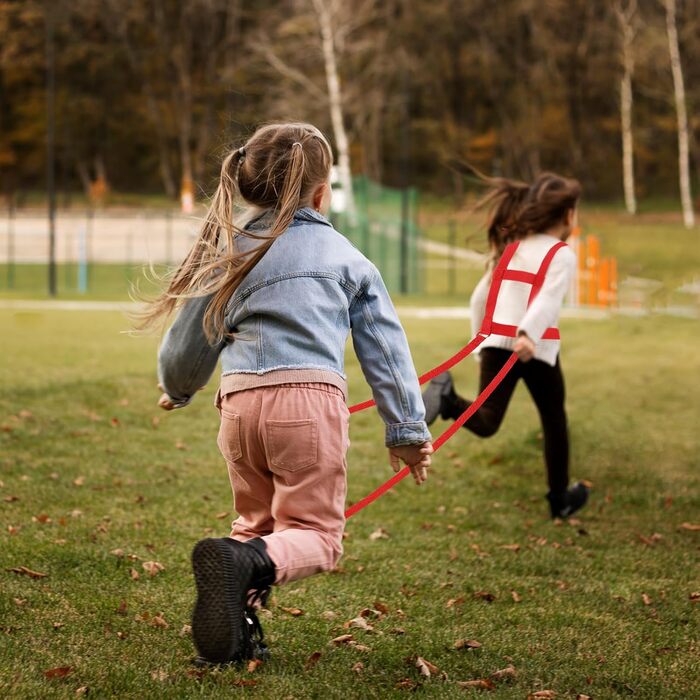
(436, 395)
(566, 504)
(225, 627)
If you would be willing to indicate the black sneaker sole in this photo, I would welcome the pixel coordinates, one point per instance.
(217, 619)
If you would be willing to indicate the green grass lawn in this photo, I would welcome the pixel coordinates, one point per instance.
(600, 606)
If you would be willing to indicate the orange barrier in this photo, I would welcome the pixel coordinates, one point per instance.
(595, 282)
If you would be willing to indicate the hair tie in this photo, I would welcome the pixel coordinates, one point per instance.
(241, 151)
(297, 143)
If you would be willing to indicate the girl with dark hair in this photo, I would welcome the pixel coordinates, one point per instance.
(539, 217)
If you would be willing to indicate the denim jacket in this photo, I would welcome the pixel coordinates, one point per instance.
(293, 311)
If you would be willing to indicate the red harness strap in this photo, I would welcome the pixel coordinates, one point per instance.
(488, 327)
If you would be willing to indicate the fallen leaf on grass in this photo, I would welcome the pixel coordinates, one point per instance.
(342, 639)
(159, 675)
(294, 612)
(59, 672)
(11, 499)
(425, 667)
(360, 647)
(510, 547)
(312, 660)
(186, 631)
(481, 683)
(159, 621)
(467, 644)
(221, 516)
(135, 575)
(181, 446)
(122, 609)
(83, 690)
(24, 571)
(118, 553)
(485, 595)
(42, 518)
(358, 667)
(542, 695)
(505, 674)
(360, 623)
(646, 599)
(152, 568)
(329, 615)
(114, 422)
(581, 696)
(253, 665)
(244, 682)
(79, 481)
(58, 625)
(452, 602)
(406, 684)
(651, 540)
(691, 527)
(694, 597)
(20, 601)
(515, 596)
(379, 534)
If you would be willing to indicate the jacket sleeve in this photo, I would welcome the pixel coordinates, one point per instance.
(544, 310)
(186, 360)
(382, 349)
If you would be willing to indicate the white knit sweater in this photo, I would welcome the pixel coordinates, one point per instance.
(511, 307)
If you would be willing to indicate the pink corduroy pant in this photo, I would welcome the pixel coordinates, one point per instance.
(285, 448)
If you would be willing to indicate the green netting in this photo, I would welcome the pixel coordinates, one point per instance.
(385, 229)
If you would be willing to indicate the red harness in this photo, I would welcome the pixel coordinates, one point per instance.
(488, 327)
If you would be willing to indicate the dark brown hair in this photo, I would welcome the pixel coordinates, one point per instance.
(516, 209)
(277, 169)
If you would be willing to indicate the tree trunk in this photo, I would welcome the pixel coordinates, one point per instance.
(335, 101)
(681, 113)
(626, 17)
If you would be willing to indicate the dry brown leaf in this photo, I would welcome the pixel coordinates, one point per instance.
(59, 672)
(329, 615)
(481, 683)
(360, 647)
(58, 625)
(186, 631)
(406, 684)
(79, 481)
(694, 597)
(253, 665)
(42, 518)
(152, 568)
(379, 534)
(381, 607)
(516, 596)
(179, 445)
(159, 675)
(155, 422)
(505, 674)
(542, 695)
(397, 630)
(452, 602)
(342, 639)
(114, 422)
(646, 599)
(24, 571)
(20, 601)
(425, 667)
(358, 667)
(135, 575)
(485, 595)
(467, 644)
(360, 623)
(294, 612)
(159, 621)
(222, 515)
(581, 696)
(83, 690)
(691, 527)
(118, 553)
(312, 660)
(122, 609)
(510, 547)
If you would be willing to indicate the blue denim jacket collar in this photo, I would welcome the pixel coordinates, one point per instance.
(303, 215)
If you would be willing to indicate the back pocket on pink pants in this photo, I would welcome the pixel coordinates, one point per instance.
(229, 439)
(292, 444)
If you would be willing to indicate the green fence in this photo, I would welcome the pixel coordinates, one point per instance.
(385, 229)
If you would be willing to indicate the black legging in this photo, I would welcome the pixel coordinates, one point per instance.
(546, 386)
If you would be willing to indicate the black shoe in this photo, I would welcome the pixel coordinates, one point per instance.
(436, 396)
(565, 504)
(225, 627)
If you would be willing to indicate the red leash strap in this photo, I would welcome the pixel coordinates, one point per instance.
(440, 441)
(488, 327)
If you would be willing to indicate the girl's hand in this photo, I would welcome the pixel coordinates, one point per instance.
(524, 347)
(166, 403)
(417, 457)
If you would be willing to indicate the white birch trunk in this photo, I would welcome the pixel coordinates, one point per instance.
(335, 101)
(681, 113)
(626, 17)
